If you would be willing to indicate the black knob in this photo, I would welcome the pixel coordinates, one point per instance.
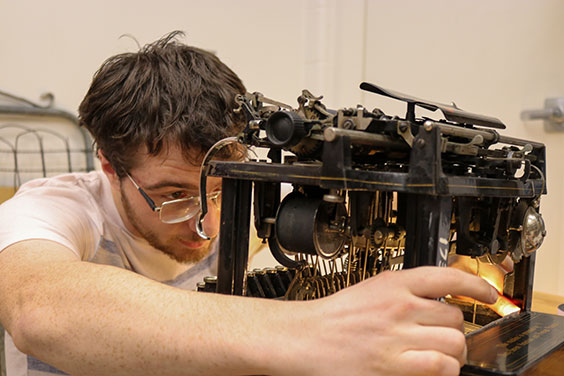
(285, 128)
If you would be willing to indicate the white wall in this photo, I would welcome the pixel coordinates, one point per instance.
(492, 57)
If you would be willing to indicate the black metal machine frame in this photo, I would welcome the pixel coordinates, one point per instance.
(434, 194)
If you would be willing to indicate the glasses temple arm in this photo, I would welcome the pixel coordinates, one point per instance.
(145, 195)
(148, 199)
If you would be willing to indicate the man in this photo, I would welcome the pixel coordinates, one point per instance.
(96, 269)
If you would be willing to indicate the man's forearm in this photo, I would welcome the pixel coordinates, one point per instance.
(92, 319)
(96, 320)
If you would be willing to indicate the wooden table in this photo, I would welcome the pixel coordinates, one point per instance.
(546, 303)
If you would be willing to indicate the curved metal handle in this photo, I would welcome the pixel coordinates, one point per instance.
(200, 227)
(544, 114)
(552, 114)
(203, 180)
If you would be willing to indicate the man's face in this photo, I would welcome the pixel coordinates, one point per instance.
(167, 177)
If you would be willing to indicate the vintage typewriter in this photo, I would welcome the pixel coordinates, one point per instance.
(373, 192)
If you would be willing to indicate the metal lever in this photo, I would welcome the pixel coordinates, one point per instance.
(552, 114)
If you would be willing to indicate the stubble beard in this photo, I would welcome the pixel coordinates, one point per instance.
(152, 238)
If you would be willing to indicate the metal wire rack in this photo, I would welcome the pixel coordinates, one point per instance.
(39, 140)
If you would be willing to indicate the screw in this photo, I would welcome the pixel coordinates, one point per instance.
(378, 236)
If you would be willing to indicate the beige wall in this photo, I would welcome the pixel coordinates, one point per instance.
(492, 57)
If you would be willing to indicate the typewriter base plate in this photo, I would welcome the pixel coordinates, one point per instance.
(514, 344)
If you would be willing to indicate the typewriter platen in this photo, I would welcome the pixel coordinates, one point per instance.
(373, 192)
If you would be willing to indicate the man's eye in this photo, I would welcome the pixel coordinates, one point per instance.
(176, 195)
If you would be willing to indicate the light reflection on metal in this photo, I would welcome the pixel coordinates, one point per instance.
(533, 232)
(527, 232)
(493, 274)
(494, 282)
(503, 306)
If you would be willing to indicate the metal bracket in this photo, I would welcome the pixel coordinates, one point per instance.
(552, 114)
(470, 148)
(404, 130)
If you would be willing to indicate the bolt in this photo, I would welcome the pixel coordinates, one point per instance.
(428, 126)
(329, 134)
(378, 236)
(420, 143)
(403, 126)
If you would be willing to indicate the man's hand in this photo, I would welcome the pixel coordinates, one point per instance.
(391, 325)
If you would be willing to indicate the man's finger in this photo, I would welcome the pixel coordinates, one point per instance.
(436, 282)
(435, 313)
(427, 363)
(448, 341)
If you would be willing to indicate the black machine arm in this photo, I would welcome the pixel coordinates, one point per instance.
(450, 112)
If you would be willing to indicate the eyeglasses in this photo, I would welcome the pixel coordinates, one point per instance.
(175, 211)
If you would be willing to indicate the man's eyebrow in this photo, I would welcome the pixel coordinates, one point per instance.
(168, 184)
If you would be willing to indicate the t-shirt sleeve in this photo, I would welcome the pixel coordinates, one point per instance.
(51, 213)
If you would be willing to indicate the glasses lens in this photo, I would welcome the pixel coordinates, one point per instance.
(182, 210)
(179, 210)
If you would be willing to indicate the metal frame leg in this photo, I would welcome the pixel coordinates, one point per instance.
(234, 236)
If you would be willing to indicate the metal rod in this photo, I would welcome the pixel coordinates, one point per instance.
(488, 135)
(330, 134)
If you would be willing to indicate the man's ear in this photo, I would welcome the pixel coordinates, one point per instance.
(108, 169)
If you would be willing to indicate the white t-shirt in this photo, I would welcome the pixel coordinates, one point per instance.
(77, 210)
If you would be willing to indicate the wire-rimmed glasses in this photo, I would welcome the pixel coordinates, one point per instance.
(175, 211)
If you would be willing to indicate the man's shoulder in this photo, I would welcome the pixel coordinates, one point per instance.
(92, 181)
(86, 193)
(68, 209)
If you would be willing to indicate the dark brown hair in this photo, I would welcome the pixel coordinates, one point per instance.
(166, 94)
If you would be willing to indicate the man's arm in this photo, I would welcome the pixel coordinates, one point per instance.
(91, 319)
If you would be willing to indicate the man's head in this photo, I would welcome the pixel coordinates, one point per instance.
(166, 94)
(153, 115)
